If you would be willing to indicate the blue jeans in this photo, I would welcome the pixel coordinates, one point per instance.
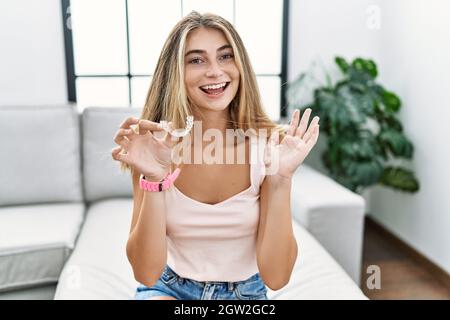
(171, 284)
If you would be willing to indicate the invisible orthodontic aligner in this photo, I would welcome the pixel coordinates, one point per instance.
(178, 132)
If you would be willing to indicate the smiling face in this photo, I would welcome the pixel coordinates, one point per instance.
(211, 74)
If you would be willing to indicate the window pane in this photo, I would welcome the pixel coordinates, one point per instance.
(104, 92)
(223, 8)
(99, 37)
(139, 90)
(149, 27)
(270, 87)
(259, 24)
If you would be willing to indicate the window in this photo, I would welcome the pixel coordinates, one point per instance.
(112, 46)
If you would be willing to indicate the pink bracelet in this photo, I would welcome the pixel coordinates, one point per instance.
(162, 185)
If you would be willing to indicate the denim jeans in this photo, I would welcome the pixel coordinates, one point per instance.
(171, 284)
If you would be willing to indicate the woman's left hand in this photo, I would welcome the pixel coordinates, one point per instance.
(295, 146)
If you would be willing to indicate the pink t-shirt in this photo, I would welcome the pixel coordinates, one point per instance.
(215, 242)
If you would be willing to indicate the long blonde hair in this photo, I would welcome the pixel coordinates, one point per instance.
(167, 98)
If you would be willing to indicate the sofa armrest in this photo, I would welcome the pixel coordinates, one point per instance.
(333, 214)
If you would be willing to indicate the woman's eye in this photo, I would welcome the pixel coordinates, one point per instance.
(195, 61)
(223, 57)
(227, 56)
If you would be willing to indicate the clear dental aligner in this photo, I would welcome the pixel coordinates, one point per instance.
(179, 132)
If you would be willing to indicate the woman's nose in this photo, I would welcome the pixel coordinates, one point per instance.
(214, 70)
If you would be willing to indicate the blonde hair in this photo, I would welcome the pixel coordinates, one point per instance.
(167, 98)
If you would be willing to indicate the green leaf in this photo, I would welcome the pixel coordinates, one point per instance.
(342, 64)
(399, 178)
(357, 106)
(325, 103)
(363, 173)
(358, 64)
(366, 66)
(371, 68)
(357, 87)
(396, 142)
(359, 76)
(362, 102)
(391, 101)
(393, 123)
(361, 146)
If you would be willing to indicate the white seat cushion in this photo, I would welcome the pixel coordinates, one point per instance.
(35, 242)
(316, 275)
(99, 269)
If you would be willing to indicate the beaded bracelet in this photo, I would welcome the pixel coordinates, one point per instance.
(162, 185)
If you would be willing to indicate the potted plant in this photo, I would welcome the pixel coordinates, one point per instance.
(365, 143)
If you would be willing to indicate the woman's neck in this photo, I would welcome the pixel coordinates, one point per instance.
(213, 120)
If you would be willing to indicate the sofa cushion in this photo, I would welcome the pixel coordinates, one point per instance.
(99, 269)
(35, 242)
(40, 155)
(316, 275)
(102, 176)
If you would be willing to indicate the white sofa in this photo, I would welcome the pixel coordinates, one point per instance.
(65, 211)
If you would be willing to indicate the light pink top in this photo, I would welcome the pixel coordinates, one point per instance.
(215, 242)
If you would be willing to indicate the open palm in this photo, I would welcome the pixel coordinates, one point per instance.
(295, 146)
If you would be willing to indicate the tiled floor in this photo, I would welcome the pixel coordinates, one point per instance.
(401, 276)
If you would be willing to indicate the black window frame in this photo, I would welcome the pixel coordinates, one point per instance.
(70, 63)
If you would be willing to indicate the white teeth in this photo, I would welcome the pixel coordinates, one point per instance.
(216, 86)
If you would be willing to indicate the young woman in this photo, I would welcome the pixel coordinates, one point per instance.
(212, 230)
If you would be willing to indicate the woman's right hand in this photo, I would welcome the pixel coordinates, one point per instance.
(145, 152)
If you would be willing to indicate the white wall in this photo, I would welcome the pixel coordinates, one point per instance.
(326, 28)
(416, 65)
(32, 62)
(412, 51)
(322, 29)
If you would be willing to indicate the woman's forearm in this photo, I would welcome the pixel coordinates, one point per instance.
(278, 250)
(147, 246)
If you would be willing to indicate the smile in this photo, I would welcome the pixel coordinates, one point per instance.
(215, 90)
